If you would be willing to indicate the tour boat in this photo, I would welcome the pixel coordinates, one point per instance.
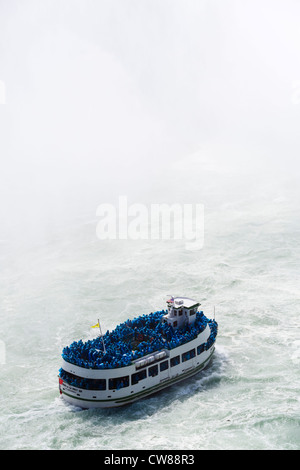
(139, 357)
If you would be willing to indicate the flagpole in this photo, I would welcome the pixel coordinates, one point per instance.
(101, 336)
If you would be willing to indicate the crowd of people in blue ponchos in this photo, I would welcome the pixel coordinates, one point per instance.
(133, 339)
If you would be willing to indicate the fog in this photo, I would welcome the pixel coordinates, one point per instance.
(152, 99)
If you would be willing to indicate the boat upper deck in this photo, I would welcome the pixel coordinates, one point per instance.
(134, 339)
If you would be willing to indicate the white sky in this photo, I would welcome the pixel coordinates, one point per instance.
(111, 97)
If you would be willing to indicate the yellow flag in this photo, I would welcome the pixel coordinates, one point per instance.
(95, 326)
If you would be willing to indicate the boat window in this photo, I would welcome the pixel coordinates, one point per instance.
(118, 383)
(200, 349)
(164, 365)
(80, 382)
(192, 312)
(188, 355)
(153, 371)
(175, 323)
(94, 384)
(175, 361)
(135, 378)
(180, 312)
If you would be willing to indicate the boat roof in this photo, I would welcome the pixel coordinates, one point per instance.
(186, 302)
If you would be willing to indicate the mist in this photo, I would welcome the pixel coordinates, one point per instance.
(161, 101)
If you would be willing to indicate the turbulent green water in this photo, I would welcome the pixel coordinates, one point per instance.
(248, 398)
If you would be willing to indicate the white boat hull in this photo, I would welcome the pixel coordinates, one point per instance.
(134, 391)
